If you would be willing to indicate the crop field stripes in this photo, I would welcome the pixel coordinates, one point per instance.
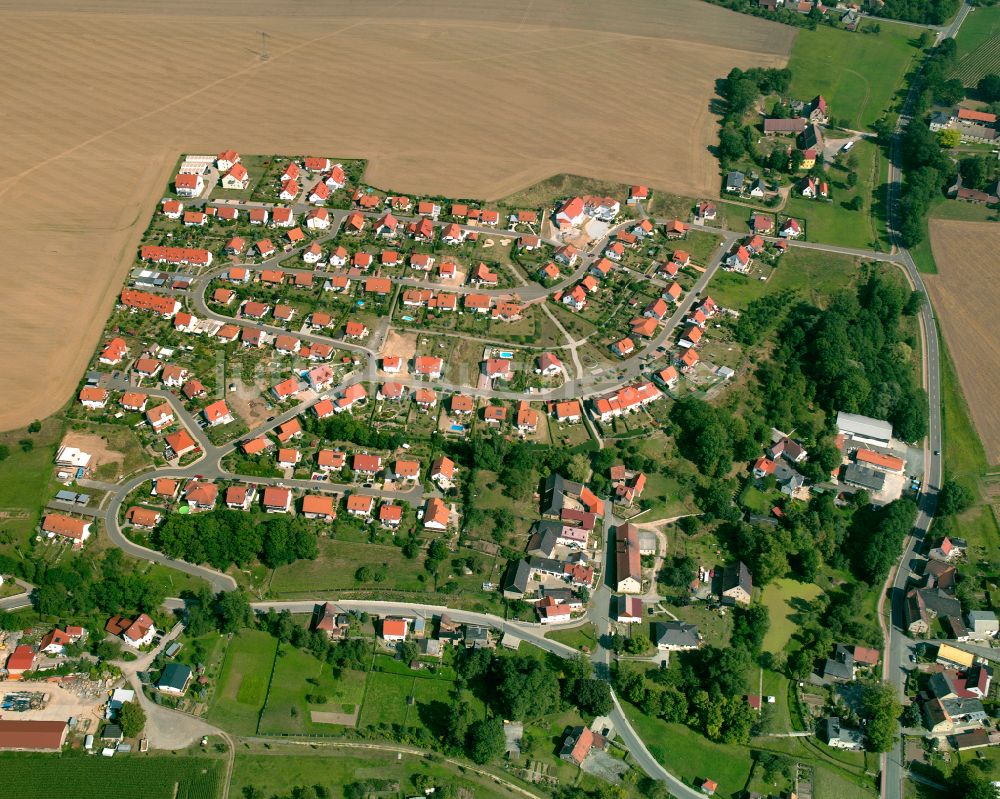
(984, 60)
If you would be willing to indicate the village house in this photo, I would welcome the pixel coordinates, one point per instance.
(135, 633)
(360, 505)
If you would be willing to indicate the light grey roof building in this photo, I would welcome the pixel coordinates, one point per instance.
(674, 635)
(864, 428)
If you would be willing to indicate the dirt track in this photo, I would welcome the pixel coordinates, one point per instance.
(963, 293)
(452, 97)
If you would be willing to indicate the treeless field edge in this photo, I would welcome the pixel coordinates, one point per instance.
(964, 292)
(450, 97)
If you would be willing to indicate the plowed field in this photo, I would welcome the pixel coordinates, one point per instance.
(965, 294)
(442, 96)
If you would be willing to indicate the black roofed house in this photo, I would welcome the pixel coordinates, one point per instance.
(477, 636)
(864, 477)
(839, 668)
(174, 679)
(923, 605)
(811, 138)
(735, 181)
(940, 120)
(672, 636)
(518, 577)
(555, 491)
(737, 584)
(111, 732)
(544, 538)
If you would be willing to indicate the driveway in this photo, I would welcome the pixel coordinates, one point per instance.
(165, 728)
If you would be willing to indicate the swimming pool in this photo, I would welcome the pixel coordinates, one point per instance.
(507, 355)
(455, 428)
(407, 318)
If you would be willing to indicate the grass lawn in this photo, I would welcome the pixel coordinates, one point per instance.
(690, 756)
(833, 223)
(701, 245)
(822, 62)
(715, 628)
(26, 480)
(757, 501)
(665, 491)
(978, 42)
(242, 689)
(964, 456)
(172, 580)
(813, 273)
(578, 637)
(386, 698)
(282, 767)
(337, 563)
(545, 193)
(831, 783)
(160, 777)
(781, 597)
(288, 710)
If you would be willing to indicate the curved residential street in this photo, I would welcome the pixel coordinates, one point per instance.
(170, 729)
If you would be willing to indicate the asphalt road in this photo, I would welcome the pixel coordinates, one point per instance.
(533, 634)
(899, 647)
(209, 464)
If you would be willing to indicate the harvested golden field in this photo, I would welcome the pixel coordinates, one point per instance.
(442, 96)
(963, 293)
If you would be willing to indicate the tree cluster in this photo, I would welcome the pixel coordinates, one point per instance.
(928, 12)
(708, 691)
(79, 586)
(852, 356)
(876, 537)
(344, 427)
(978, 171)
(831, 617)
(223, 536)
(881, 709)
(711, 437)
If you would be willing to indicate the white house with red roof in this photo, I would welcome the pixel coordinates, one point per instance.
(335, 178)
(217, 413)
(318, 219)
(739, 260)
(236, 178)
(790, 229)
(570, 213)
(188, 185)
(226, 160)
(319, 194)
(548, 365)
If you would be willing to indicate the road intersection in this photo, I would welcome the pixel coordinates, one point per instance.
(581, 386)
